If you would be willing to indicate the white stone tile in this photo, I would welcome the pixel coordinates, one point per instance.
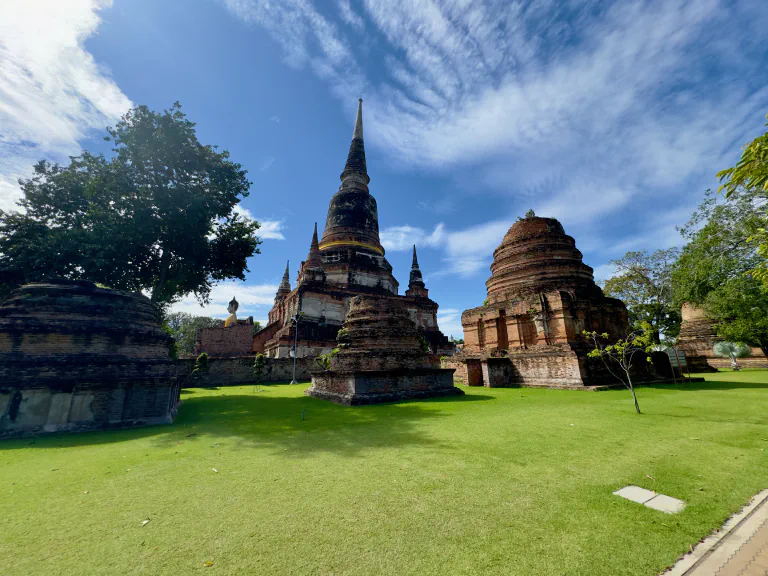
(636, 494)
(666, 504)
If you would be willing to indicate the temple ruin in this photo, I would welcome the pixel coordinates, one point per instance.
(381, 357)
(697, 339)
(541, 296)
(75, 357)
(347, 261)
(233, 338)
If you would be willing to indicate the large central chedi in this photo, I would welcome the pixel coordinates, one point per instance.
(347, 261)
(541, 296)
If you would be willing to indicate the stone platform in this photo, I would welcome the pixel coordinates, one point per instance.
(380, 358)
(372, 387)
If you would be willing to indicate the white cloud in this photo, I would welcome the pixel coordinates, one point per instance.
(401, 238)
(350, 16)
(580, 107)
(449, 321)
(275, 119)
(52, 91)
(252, 299)
(268, 229)
(271, 230)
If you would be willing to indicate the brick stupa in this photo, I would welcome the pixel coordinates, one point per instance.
(75, 357)
(380, 358)
(541, 296)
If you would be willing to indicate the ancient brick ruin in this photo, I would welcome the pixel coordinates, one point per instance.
(347, 261)
(541, 296)
(697, 339)
(233, 338)
(77, 357)
(381, 358)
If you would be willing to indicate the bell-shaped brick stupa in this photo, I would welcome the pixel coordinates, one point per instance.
(541, 296)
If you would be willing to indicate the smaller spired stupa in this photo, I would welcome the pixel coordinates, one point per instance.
(541, 296)
(381, 358)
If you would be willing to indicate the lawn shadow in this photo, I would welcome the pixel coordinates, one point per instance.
(289, 426)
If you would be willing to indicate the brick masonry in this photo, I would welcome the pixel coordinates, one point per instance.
(239, 370)
(77, 357)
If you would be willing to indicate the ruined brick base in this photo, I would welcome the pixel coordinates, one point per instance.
(373, 387)
(560, 367)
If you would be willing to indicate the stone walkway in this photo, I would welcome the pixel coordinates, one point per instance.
(740, 548)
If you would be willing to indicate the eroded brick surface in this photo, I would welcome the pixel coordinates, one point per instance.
(75, 357)
(380, 359)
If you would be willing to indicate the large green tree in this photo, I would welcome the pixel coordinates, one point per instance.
(184, 327)
(751, 173)
(644, 282)
(740, 311)
(715, 270)
(157, 215)
(718, 247)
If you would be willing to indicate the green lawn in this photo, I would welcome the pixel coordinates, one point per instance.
(496, 482)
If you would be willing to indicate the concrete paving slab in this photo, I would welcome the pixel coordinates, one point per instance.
(636, 494)
(665, 504)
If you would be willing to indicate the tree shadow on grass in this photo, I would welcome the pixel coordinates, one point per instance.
(288, 426)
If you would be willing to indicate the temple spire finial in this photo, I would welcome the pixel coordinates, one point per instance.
(415, 263)
(358, 131)
(355, 173)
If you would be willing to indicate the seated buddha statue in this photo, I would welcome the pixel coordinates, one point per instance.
(232, 309)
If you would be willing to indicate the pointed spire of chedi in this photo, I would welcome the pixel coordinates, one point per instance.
(353, 219)
(355, 170)
(416, 285)
(285, 285)
(314, 259)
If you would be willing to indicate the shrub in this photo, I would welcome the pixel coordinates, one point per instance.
(732, 350)
(324, 360)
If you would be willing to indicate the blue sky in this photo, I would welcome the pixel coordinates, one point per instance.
(611, 116)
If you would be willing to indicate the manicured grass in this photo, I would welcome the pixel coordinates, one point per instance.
(497, 482)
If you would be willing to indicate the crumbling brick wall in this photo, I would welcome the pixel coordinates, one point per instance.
(239, 370)
(234, 340)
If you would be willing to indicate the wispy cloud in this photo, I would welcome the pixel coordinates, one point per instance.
(266, 163)
(254, 300)
(576, 109)
(275, 119)
(399, 238)
(52, 92)
(350, 16)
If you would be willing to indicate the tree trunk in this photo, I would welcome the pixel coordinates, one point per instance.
(165, 265)
(634, 396)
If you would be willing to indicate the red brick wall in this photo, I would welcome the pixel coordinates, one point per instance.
(234, 340)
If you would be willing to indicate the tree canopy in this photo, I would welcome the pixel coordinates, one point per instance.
(751, 173)
(715, 270)
(156, 216)
(183, 327)
(644, 282)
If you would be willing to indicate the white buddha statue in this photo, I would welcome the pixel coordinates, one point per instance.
(232, 309)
